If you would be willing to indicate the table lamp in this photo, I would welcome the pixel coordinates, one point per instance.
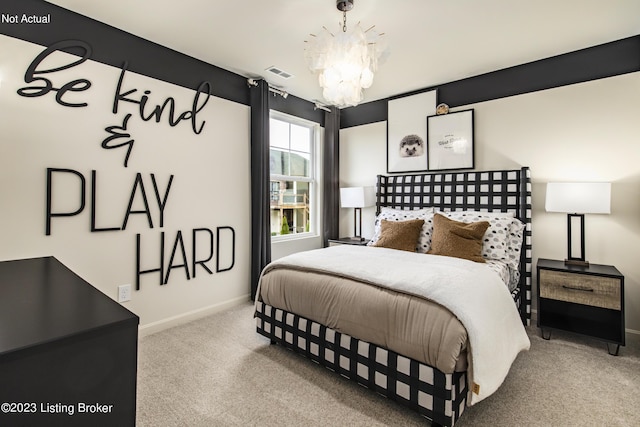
(357, 198)
(576, 199)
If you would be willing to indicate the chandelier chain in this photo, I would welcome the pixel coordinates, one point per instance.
(344, 22)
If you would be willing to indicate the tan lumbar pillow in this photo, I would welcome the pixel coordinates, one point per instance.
(402, 235)
(458, 239)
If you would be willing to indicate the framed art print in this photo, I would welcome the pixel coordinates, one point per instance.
(407, 132)
(450, 142)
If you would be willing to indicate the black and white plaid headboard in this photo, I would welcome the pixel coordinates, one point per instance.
(498, 190)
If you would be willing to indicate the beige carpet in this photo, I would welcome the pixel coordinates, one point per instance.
(218, 371)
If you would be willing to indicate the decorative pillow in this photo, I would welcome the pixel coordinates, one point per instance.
(390, 214)
(458, 239)
(514, 244)
(494, 245)
(402, 235)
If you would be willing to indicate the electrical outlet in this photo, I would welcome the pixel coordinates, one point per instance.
(124, 293)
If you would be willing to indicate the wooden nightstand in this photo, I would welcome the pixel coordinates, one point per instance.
(348, 241)
(587, 300)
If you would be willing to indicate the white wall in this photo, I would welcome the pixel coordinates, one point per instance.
(210, 187)
(363, 156)
(283, 248)
(581, 132)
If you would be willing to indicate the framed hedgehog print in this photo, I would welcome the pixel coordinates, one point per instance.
(450, 141)
(407, 132)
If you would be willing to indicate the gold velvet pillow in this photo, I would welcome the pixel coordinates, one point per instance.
(458, 239)
(402, 235)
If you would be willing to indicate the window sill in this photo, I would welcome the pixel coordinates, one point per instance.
(293, 237)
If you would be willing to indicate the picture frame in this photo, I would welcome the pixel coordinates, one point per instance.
(450, 141)
(407, 131)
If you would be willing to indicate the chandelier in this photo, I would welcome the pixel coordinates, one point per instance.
(345, 61)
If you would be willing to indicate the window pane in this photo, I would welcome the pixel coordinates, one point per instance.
(279, 134)
(279, 162)
(275, 192)
(289, 207)
(300, 138)
(300, 164)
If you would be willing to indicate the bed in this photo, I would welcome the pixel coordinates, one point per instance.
(435, 370)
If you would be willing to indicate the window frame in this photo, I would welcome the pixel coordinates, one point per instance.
(314, 178)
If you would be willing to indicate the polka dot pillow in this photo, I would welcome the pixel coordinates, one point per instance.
(496, 238)
(390, 214)
(514, 243)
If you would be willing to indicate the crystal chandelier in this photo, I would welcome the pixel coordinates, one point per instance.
(345, 61)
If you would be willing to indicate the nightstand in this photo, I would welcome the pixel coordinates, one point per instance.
(587, 300)
(348, 241)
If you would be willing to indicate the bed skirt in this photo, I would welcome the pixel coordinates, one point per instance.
(437, 396)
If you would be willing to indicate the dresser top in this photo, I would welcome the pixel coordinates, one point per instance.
(41, 301)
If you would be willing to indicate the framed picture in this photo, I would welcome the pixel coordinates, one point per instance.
(407, 131)
(450, 141)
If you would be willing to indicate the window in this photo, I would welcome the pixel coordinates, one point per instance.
(293, 180)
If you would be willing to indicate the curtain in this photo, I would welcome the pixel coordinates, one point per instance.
(331, 176)
(260, 176)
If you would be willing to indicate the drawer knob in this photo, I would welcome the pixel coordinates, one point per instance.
(577, 288)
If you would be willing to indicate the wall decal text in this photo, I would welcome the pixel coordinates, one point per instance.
(69, 181)
(179, 258)
(34, 74)
(146, 191)
(146, 111)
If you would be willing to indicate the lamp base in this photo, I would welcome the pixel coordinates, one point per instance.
(577, 262)
(357, 238)
(572, 259)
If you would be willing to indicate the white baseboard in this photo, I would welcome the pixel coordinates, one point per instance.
(632, 331)
(161, 325)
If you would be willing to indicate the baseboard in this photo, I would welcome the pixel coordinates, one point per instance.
(161, 325)
(632, 331)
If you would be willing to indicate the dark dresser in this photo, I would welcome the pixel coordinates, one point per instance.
(68, 353)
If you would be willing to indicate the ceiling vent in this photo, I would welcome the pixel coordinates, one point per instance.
(278, 72)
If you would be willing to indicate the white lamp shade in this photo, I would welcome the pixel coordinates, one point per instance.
(579, 197)
(357, 197)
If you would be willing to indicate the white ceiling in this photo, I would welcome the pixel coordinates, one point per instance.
(431, 41)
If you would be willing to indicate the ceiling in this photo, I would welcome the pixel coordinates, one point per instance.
(430, 41)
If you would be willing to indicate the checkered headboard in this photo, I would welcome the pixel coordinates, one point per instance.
(499, 190)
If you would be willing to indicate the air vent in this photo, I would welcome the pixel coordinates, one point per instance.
(279, 72)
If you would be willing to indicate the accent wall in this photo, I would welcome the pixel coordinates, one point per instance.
(125, 179)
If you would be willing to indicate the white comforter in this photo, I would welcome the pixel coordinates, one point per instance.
(471, 291)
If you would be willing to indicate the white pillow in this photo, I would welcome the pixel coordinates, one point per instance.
(484, 213)
(390, 214)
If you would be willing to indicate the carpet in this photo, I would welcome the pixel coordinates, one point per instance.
(217, 371)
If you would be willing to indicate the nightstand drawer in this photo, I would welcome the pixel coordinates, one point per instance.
(596, 291)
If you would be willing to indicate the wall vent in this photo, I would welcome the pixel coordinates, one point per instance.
(278, 72)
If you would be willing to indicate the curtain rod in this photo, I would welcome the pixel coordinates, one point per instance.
(254, 82)
(317, 105)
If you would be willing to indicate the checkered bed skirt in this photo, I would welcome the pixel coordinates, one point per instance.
(437, 396)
